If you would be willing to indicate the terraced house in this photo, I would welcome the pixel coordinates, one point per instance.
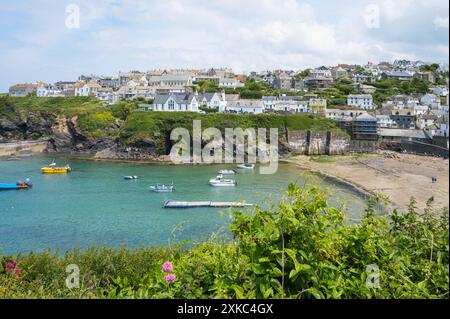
(362, 101)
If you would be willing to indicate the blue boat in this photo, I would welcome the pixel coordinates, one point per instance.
(18, 185)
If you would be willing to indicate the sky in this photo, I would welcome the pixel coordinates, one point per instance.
(52, 40)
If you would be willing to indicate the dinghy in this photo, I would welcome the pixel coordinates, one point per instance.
(227, 172)
(162, 188)
(131, 177)
(246, 166)
(19, 185)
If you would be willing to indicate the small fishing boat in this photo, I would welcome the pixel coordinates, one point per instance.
(19, 185)
(246, 166)
(219, 181)
(227, 172)
(53, 169)
(131, 177)
(162, 188)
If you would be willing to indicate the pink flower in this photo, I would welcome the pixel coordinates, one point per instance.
(14, 263)
(170, 277)
(9, 265)
(167, 267)
(18, 271)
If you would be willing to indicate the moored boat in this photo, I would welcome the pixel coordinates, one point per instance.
(227, 172)
(219, 181)
(19, 185)
(131, 177)
(53, 169)
(162, 188)
(246, 166)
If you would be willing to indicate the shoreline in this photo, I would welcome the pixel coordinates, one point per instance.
(358, 189)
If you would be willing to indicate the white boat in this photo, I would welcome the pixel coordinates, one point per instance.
(162, 188)
(246, 166)
(227, 172)
(219, 181)
(131, 177)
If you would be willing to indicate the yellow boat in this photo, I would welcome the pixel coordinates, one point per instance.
(52, 169)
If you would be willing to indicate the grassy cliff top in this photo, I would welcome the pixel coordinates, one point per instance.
(97, 120)
(145, 126)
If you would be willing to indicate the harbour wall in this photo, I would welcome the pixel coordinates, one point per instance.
(318, 143)
(327, 143)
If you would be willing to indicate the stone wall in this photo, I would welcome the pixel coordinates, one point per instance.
(318, 143)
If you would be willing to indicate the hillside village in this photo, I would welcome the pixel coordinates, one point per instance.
(384, 101)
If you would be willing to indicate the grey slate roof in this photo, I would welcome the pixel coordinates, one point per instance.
(206, 96)
(365, 117)
(180, 98)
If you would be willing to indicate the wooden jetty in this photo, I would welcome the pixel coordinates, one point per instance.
(177, 204)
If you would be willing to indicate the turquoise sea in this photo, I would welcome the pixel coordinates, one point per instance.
(94, 205)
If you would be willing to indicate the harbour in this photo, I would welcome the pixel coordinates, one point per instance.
(94, 205)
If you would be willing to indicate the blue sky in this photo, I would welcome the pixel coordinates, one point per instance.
(113, 35)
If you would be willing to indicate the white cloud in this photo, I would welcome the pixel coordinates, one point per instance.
(441, 22)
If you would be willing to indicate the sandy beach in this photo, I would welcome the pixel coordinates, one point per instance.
(401, 176)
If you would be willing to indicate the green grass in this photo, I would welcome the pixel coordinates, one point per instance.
(323, 159)
(155, 127)
(95, 119)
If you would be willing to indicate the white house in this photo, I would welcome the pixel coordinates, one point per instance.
(385, 121)
(88, 89)
(269, 102)
(47, 91)
(432, 100)
(173, 102)
(107, 95)
(292, 106)
(337, 114)
(362, 101)
(426, 120)
(176, 83)
(244, 107)
(230, 83)
(442, 124)
(421, 109)
(78, 88)
(214, 100)
(441, 91)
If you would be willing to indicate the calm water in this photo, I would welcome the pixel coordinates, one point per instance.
(94, 205)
